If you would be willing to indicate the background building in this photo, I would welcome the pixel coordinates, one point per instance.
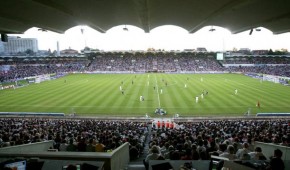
(1, 47)
(16, 45)
(69, 52)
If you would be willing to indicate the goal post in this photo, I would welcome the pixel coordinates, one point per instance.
(41, 78)
(271, 78)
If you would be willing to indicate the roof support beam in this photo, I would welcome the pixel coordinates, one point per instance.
(143, 11)
(62, 9)
(226, 7)
(265, 22)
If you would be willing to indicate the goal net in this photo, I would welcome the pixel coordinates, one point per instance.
(41, 78)
(271, 78)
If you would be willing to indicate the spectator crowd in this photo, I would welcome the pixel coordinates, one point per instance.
(11, 70)
(232, 139)
(73, 135)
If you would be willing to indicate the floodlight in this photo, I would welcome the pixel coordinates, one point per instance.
(43, 30)
(251, 31)
(211, 29)
(125, 28)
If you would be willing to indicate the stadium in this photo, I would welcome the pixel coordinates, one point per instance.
(151, 109)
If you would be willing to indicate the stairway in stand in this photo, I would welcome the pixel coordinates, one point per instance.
(138, 163)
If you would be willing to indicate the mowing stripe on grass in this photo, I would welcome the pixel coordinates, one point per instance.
(158, 97)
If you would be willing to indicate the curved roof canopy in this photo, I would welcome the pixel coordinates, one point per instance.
(16, 16)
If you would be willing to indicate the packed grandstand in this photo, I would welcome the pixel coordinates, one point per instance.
(12, 69)
(231, 139)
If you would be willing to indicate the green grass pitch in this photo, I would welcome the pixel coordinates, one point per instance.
(100, 95)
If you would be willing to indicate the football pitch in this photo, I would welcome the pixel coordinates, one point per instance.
(100, 95)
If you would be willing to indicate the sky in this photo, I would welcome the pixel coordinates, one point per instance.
(167, 37)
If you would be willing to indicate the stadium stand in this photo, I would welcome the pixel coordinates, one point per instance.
(201, 138)
(134, 62)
